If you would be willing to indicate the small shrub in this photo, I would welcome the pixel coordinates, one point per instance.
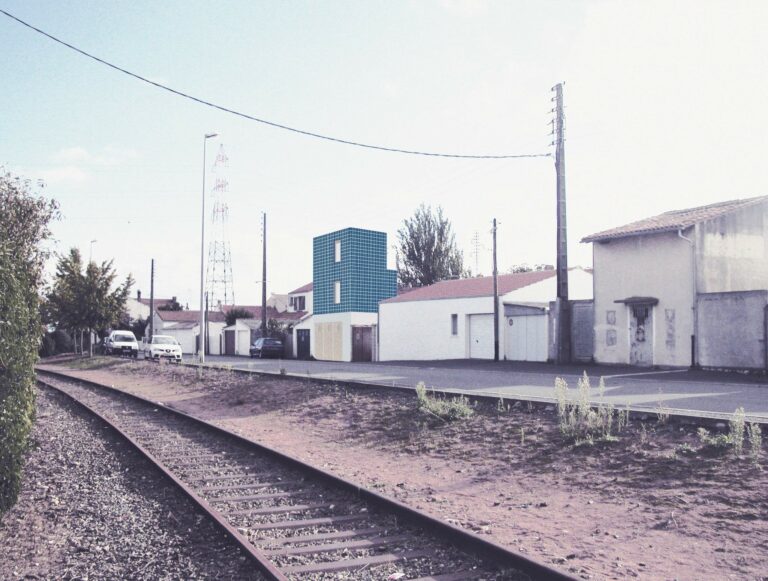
(451, 409)
(737, 426)
(643, 435)
(622, 419)
(579, 420)
(685, 449)
(716, 441)
(755, 436)
(662, 413)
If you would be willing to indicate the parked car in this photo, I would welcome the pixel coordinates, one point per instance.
(265, 347)
(122, 343)
(162, 347)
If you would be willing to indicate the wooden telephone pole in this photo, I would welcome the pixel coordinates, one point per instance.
(264, 279)
(495, 299)
(562, 319)
(152, 300)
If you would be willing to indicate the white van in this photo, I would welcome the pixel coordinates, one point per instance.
(122, 343)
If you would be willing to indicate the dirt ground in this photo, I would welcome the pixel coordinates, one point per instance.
(656, 504)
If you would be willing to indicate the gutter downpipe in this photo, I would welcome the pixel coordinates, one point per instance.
(695, 291)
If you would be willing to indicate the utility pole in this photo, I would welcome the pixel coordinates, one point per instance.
(563, 311)
(495, 299)
(152, 300)
(207, 346)
(264, 278)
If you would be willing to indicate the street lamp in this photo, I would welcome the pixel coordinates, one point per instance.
(201, 334)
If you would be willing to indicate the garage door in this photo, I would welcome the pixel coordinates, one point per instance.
(481, 336)
(526, 338)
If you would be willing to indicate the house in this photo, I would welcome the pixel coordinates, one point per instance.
(453, 319)
(350, 277)
(687, 287)
(184, 327)
(138, 307)
(279, 302)
(238, 337)
(300, 299)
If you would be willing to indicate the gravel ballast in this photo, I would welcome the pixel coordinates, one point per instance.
(92, 508)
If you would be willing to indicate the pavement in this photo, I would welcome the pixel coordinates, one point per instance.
(695, 392)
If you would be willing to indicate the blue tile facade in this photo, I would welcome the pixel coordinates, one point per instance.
(362, 271)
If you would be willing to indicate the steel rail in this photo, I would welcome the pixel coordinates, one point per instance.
(261, 561)
(469, 542)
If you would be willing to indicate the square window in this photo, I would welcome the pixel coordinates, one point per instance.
(454, 324)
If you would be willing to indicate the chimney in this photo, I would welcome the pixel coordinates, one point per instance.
(138, 295)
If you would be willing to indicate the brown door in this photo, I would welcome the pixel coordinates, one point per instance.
(362, 346)
(229, 342)
(302, 346)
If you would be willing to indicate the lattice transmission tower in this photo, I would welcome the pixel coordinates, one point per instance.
(219, 285)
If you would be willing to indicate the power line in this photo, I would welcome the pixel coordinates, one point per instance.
(258, 120)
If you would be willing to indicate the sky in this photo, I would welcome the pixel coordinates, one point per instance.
(665, 109)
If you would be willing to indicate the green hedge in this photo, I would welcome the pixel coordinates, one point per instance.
(23, 226)
(19, 333)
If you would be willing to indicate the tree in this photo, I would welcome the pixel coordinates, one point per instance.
(83, 298)
(427, 251)
(525, 267)
(24, 219)
(237, 313)
(172, 305)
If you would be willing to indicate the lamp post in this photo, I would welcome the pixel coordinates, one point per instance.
(201, 334)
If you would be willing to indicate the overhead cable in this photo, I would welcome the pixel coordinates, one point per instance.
(257, 119)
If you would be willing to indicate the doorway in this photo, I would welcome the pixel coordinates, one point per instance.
(641, 335)
(302, 344)
(362, 344)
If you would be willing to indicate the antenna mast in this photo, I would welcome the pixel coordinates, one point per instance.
(219, 274)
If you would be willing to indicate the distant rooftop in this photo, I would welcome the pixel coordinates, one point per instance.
(472, 287)
(675, 220)
(302, 289)
(188, 316)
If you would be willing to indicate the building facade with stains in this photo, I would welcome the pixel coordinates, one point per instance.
(688, 287)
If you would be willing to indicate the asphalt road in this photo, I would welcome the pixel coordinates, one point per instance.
(679, 390)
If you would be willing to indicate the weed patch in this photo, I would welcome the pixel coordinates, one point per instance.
(578, 419)
(446, 409)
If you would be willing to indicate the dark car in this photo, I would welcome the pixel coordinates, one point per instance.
(266, 348)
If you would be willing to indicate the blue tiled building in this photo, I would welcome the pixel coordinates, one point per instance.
(350, 271)
(350, 278)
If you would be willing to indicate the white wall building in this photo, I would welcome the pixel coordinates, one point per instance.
(301, 299)
(184, 327)
(138, 307)
(653, 276)
(453, 319)
(350, 277)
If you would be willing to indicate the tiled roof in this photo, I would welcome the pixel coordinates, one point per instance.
(181, 326)
(676, 220)
(189, 316)
(302, 289)
(272, 313)
(472, 287)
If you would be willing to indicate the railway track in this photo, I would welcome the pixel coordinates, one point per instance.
(293, 520)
